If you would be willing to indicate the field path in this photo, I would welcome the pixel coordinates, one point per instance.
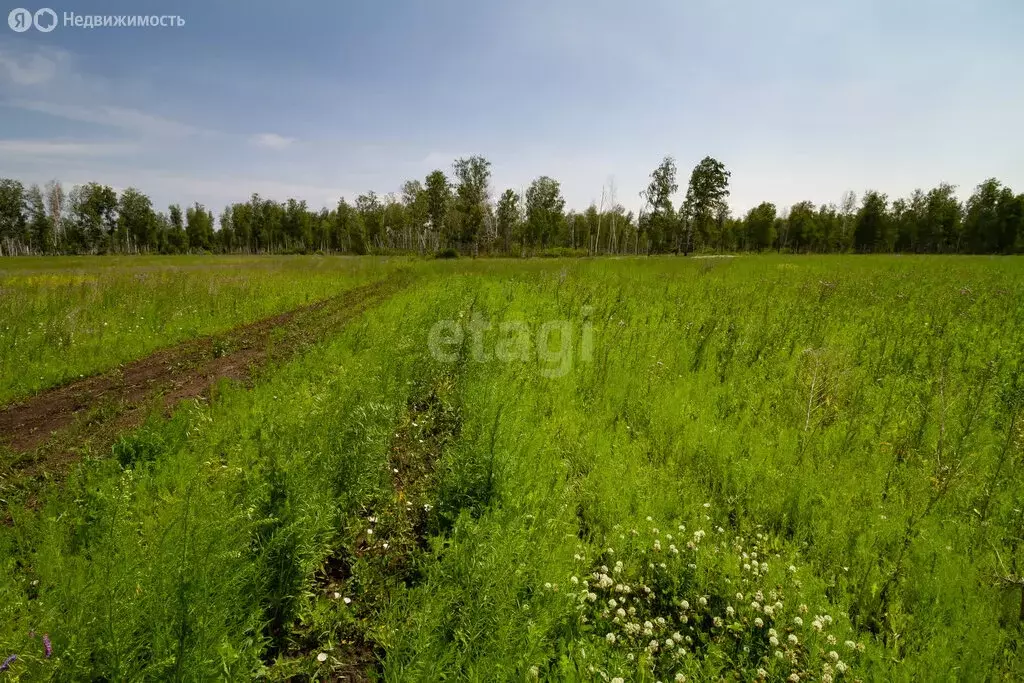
(59, 421)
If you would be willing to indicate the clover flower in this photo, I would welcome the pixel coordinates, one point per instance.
(793, 639)
(47, 645)
(610, 637)
(759, 622)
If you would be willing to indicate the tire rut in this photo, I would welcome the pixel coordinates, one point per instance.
(58, 424)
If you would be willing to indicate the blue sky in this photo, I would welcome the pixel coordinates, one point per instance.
(800, 99)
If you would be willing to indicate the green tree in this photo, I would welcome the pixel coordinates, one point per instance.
(991, 219)
(439, 200)
(93, 216)
(226, 234)
(705, 201)
(545, 211)
(871, 226)
(760, 226)
(414, 198)
(942, 220)
(137, 223)
(472, 175)
(509, 218)
(40, 229)
(199, 227)
(659, 222)
(177, 238)
(13, 222)
(801, 226)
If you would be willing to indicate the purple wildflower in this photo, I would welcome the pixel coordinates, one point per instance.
(47, 645)
(7, 662)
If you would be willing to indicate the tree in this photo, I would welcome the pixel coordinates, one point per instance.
(177, 238)
(871, 225)
(93, 216)
(508, 218)
(545, 211)
(801, 226)
(199, 227)
(40, 229)
(12, 217)
(473, 175)
(991, 221)
(55, 208)
(439, 198)
(136, 220)
(760, 226)
(414, 197)
(943, 220)
(297, 225)
(705, 200)
(226, 233)
(660, 220)
(1010, 212)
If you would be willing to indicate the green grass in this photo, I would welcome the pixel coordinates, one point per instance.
(852, 425)
(64, 318)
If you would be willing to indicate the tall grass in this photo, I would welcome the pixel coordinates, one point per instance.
(855, 422)
(61, 319)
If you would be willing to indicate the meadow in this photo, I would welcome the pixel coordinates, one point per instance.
(771, 468)
(68, 318)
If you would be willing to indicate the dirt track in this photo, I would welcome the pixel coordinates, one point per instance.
(92, 411)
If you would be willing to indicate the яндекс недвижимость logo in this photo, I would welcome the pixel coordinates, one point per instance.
(46, 19)
(21, 19)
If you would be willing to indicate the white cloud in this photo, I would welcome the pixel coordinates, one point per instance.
(106, 115)
(34, 69)
(272, 140)
(35, 148)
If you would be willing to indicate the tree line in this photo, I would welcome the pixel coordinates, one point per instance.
(457, 212)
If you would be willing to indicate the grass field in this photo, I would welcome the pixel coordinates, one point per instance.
(761, 468)
(67, 318)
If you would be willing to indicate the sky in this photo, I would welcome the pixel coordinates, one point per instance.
(801, 100)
